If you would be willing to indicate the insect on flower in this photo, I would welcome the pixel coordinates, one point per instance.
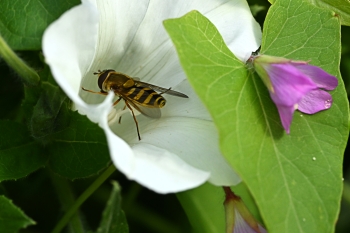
(136, 94)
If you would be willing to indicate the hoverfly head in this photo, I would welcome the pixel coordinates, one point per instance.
(102, 76)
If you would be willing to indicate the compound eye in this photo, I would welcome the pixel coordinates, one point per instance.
(102, 77)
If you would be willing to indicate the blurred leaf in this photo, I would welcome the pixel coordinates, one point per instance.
(255, 9)
(11, 217)
(22, 23)
(282, 171)
(113, 218)
(80, 150)
(340, 7)
(19, 153)
(76, 147)
(49, 115)
(11, 92)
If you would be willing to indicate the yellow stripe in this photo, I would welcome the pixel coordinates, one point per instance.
(130, 91)
(148, 99)
(138, 96)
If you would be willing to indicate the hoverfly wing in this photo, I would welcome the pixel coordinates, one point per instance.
(147, 111)
(159, 89)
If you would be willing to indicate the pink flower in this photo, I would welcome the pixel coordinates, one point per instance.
(238, 217)
(294, 85)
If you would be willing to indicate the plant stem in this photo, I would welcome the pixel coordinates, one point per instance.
(67, 199)
(28, 75)
(80, 200)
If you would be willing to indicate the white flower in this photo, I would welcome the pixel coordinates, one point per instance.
(180, 150)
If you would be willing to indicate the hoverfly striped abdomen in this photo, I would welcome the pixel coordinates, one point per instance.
(146, 97)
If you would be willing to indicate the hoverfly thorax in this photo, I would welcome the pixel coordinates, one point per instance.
(112, 80)
(143, 97)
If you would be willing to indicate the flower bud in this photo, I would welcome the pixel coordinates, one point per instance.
(294, 85)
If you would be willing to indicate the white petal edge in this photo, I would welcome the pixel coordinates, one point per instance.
(69, 46)
(75, 33)
(198, 147)
(154, 165)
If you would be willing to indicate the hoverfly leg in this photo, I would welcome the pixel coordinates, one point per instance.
(120, 118)
(133, 115)
(117, 101)
(101, 93)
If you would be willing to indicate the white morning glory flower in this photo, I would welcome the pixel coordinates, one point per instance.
(180, 150)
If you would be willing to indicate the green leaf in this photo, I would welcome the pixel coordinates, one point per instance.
(80, 150)
(19, 153)
(22, 23)
(341, 8)
(204, 207)
(113, 218)
(11, 217)
(295, 179)
(311, 157)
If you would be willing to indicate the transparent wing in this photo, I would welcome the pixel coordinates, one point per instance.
(147, 111)
(162, 90)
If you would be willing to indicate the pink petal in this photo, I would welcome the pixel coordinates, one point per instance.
(241, 226)
(315, 101)
(319, 76)
(290, 85)
(286, 115)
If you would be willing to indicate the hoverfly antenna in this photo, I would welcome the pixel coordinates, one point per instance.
(98, 72)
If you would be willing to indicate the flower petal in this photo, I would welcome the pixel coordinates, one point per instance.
(241, 226)
(315, 101)
(193, 140)
(158, 169)
(289, 84)
(118, 148)
(235, 22)
(185, 107)
(286, 115)
(319, 76)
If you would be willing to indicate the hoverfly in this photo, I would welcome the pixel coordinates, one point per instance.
(136, 94)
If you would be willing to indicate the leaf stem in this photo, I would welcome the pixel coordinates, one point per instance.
(28, 75)
(82, 198)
